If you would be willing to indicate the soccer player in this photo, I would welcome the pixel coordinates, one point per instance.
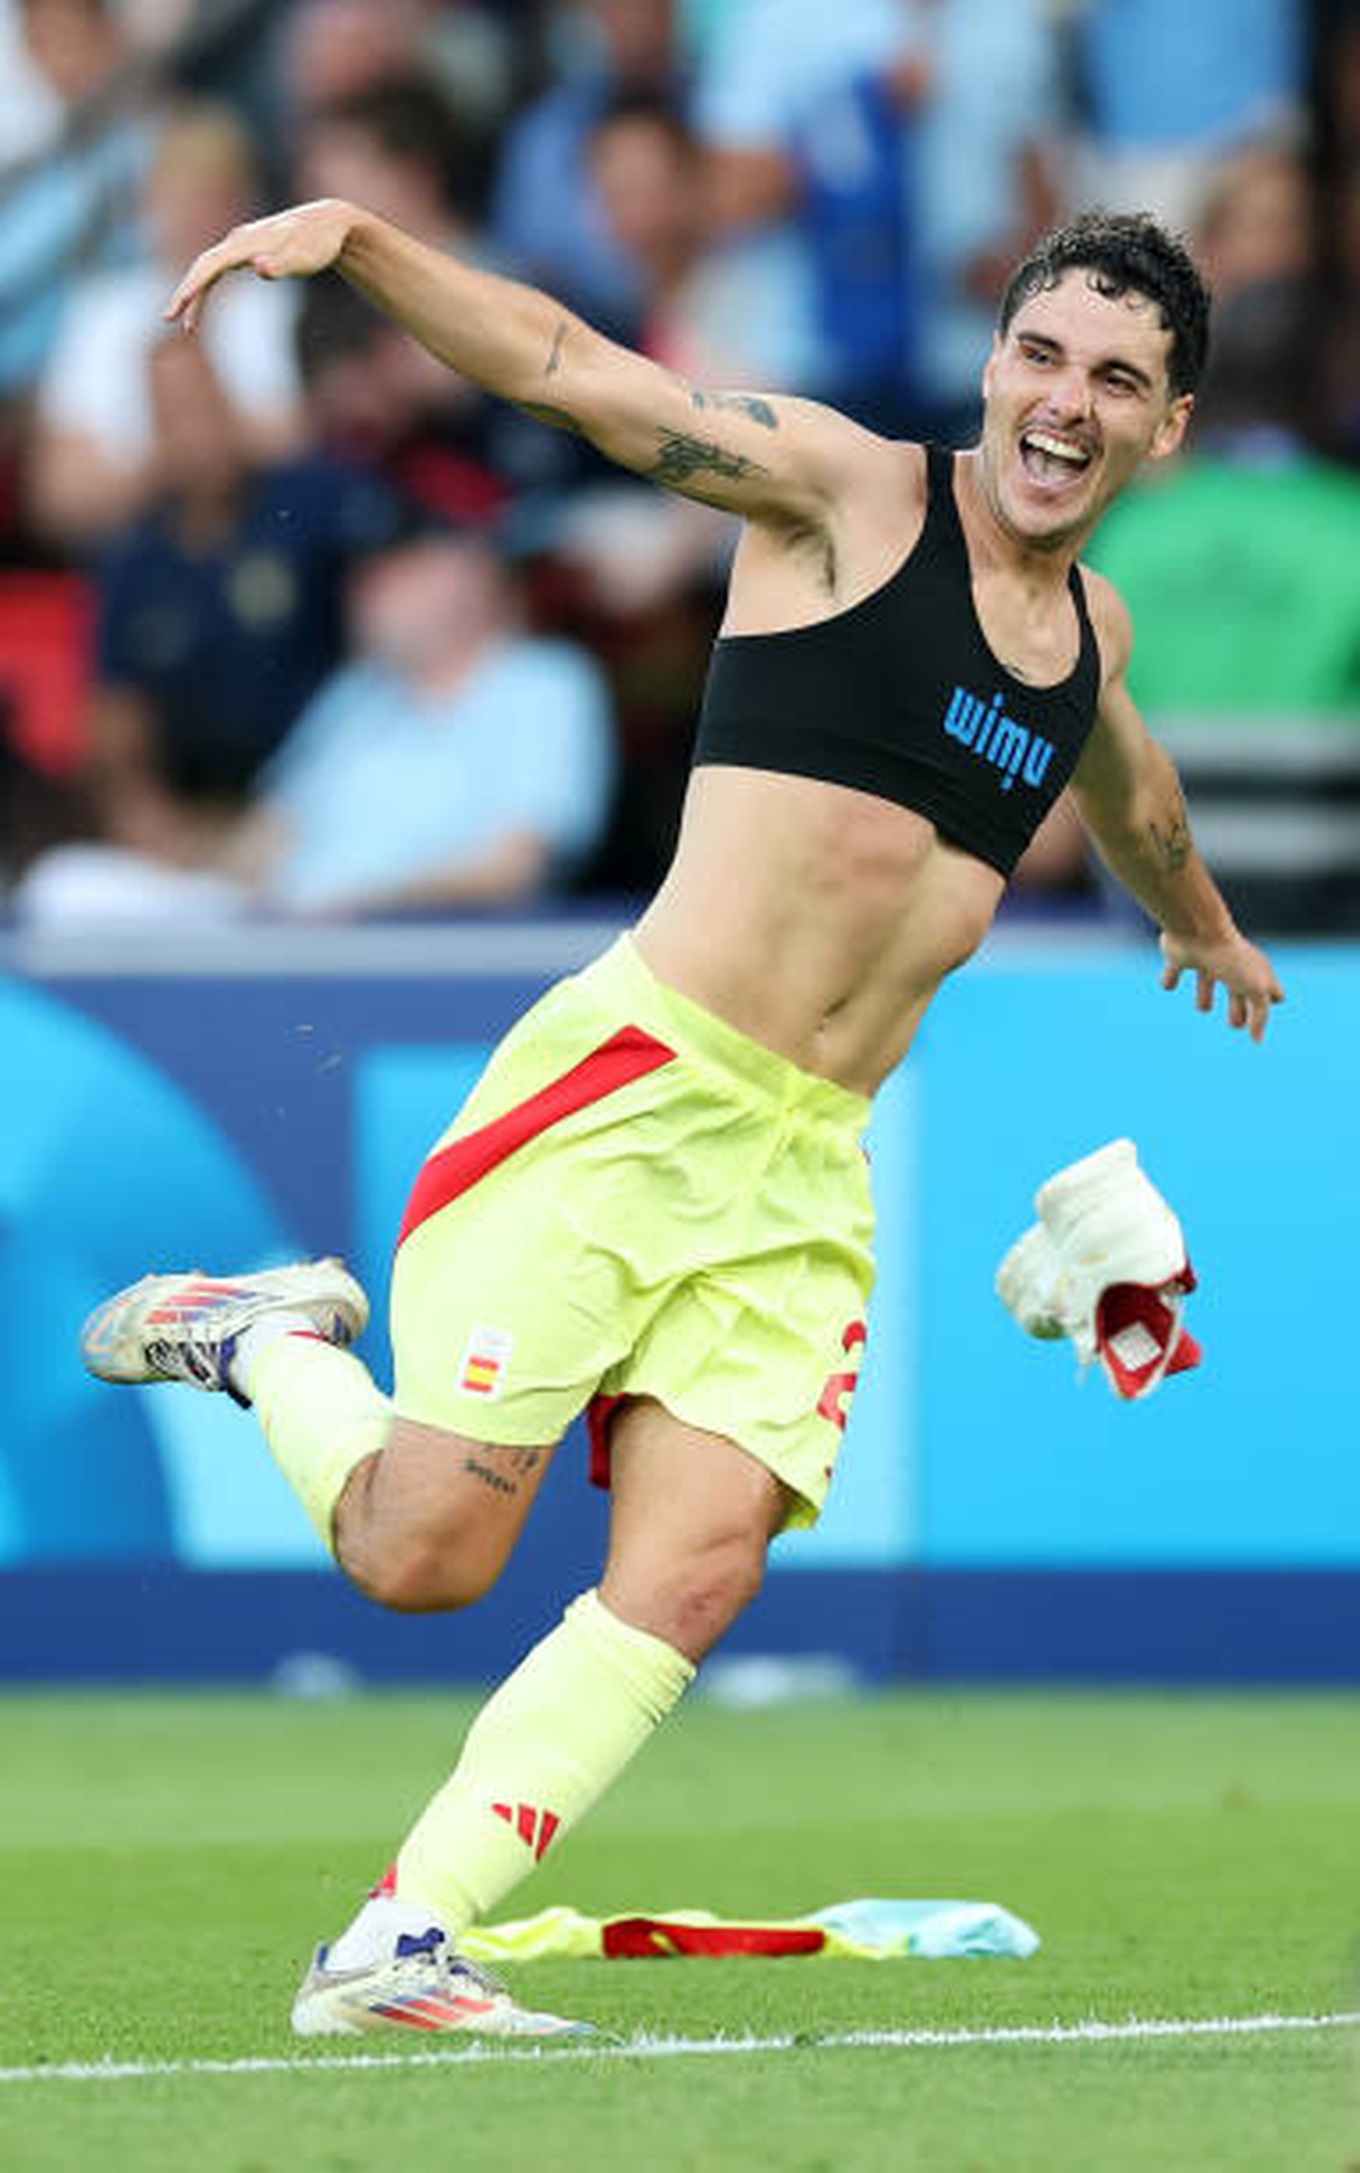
(654, 1203)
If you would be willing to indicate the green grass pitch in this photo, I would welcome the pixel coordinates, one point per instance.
(167, 1861)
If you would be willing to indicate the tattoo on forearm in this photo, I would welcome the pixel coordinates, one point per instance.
(683, 458)
(738, 403)
(559, 341)
(556, 418)
(1172, 840)
(488, 1477)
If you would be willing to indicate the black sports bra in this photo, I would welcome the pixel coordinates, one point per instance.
(899, 695)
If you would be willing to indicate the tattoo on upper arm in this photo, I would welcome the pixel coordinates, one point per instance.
(683, 458)
(738, 403)
(1172, 840)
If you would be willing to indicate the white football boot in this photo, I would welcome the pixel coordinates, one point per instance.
(185, 1327)
(426, 1986)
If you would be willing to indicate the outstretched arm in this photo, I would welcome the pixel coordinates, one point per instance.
(775, 459)
(1129, 796)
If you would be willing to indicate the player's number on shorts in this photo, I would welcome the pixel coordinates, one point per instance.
(834, 1403)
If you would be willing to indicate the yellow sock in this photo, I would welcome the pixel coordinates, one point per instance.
(539, 1753)
(322, 1414)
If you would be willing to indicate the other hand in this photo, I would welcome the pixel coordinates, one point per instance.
(1244, 971)
(290, 245)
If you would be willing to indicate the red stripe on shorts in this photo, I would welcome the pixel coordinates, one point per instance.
(630, 1054)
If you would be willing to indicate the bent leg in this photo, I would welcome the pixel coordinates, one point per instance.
(418, 1517)
(432, 1519)
(692, 1518)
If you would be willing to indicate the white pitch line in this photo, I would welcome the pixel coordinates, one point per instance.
(669, 2048)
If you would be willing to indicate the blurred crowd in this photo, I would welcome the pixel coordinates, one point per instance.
(292, 619)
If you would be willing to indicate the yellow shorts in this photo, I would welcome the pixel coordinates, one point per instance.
(638, 1200)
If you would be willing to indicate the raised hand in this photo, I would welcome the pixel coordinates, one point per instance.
(290, 245)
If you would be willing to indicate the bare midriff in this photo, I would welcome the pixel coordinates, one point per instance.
(817, 919)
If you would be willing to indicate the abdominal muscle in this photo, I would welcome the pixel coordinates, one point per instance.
(818, 919)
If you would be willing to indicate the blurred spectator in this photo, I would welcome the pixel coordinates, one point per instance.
(633, 548)
(30, 110)
(971, 145)
(456, 762)
(647, 169)
(472, 51)
(71, 211)
(335, 49)
(379, 401)
(397, 149)
(857, 193)
(1256, 222)
(376, 394)
(547, 216)
(220, 612)
(1336, 83)
(1170, 89)
(93, 462)
(1242, 570)
(326, 51)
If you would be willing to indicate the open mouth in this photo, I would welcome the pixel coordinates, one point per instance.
(1052, 461)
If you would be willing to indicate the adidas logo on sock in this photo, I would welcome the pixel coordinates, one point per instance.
(535, 1828)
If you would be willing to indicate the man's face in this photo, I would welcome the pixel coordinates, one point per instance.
(1076, 398)
(426, 601)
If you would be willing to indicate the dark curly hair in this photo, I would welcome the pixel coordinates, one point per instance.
(1125, 253)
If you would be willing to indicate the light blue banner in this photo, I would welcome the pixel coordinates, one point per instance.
(146, 1124)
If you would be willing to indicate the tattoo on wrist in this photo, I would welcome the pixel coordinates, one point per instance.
(682, 458)
(738, 403)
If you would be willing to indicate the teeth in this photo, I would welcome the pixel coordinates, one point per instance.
(1058, 447)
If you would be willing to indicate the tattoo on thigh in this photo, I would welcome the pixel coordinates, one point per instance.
(488, 1477)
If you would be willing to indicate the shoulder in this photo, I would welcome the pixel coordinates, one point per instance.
(1112, 622)
(885, 478)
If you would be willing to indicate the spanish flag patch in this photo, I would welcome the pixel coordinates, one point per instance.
(484, 1361)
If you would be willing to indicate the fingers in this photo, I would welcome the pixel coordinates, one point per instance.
(185, 305)
(1245, 1007)
(1251, 1009)
(1261, 1008)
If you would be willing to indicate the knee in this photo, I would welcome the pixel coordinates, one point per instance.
(693, 1604)
(417, 1576)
